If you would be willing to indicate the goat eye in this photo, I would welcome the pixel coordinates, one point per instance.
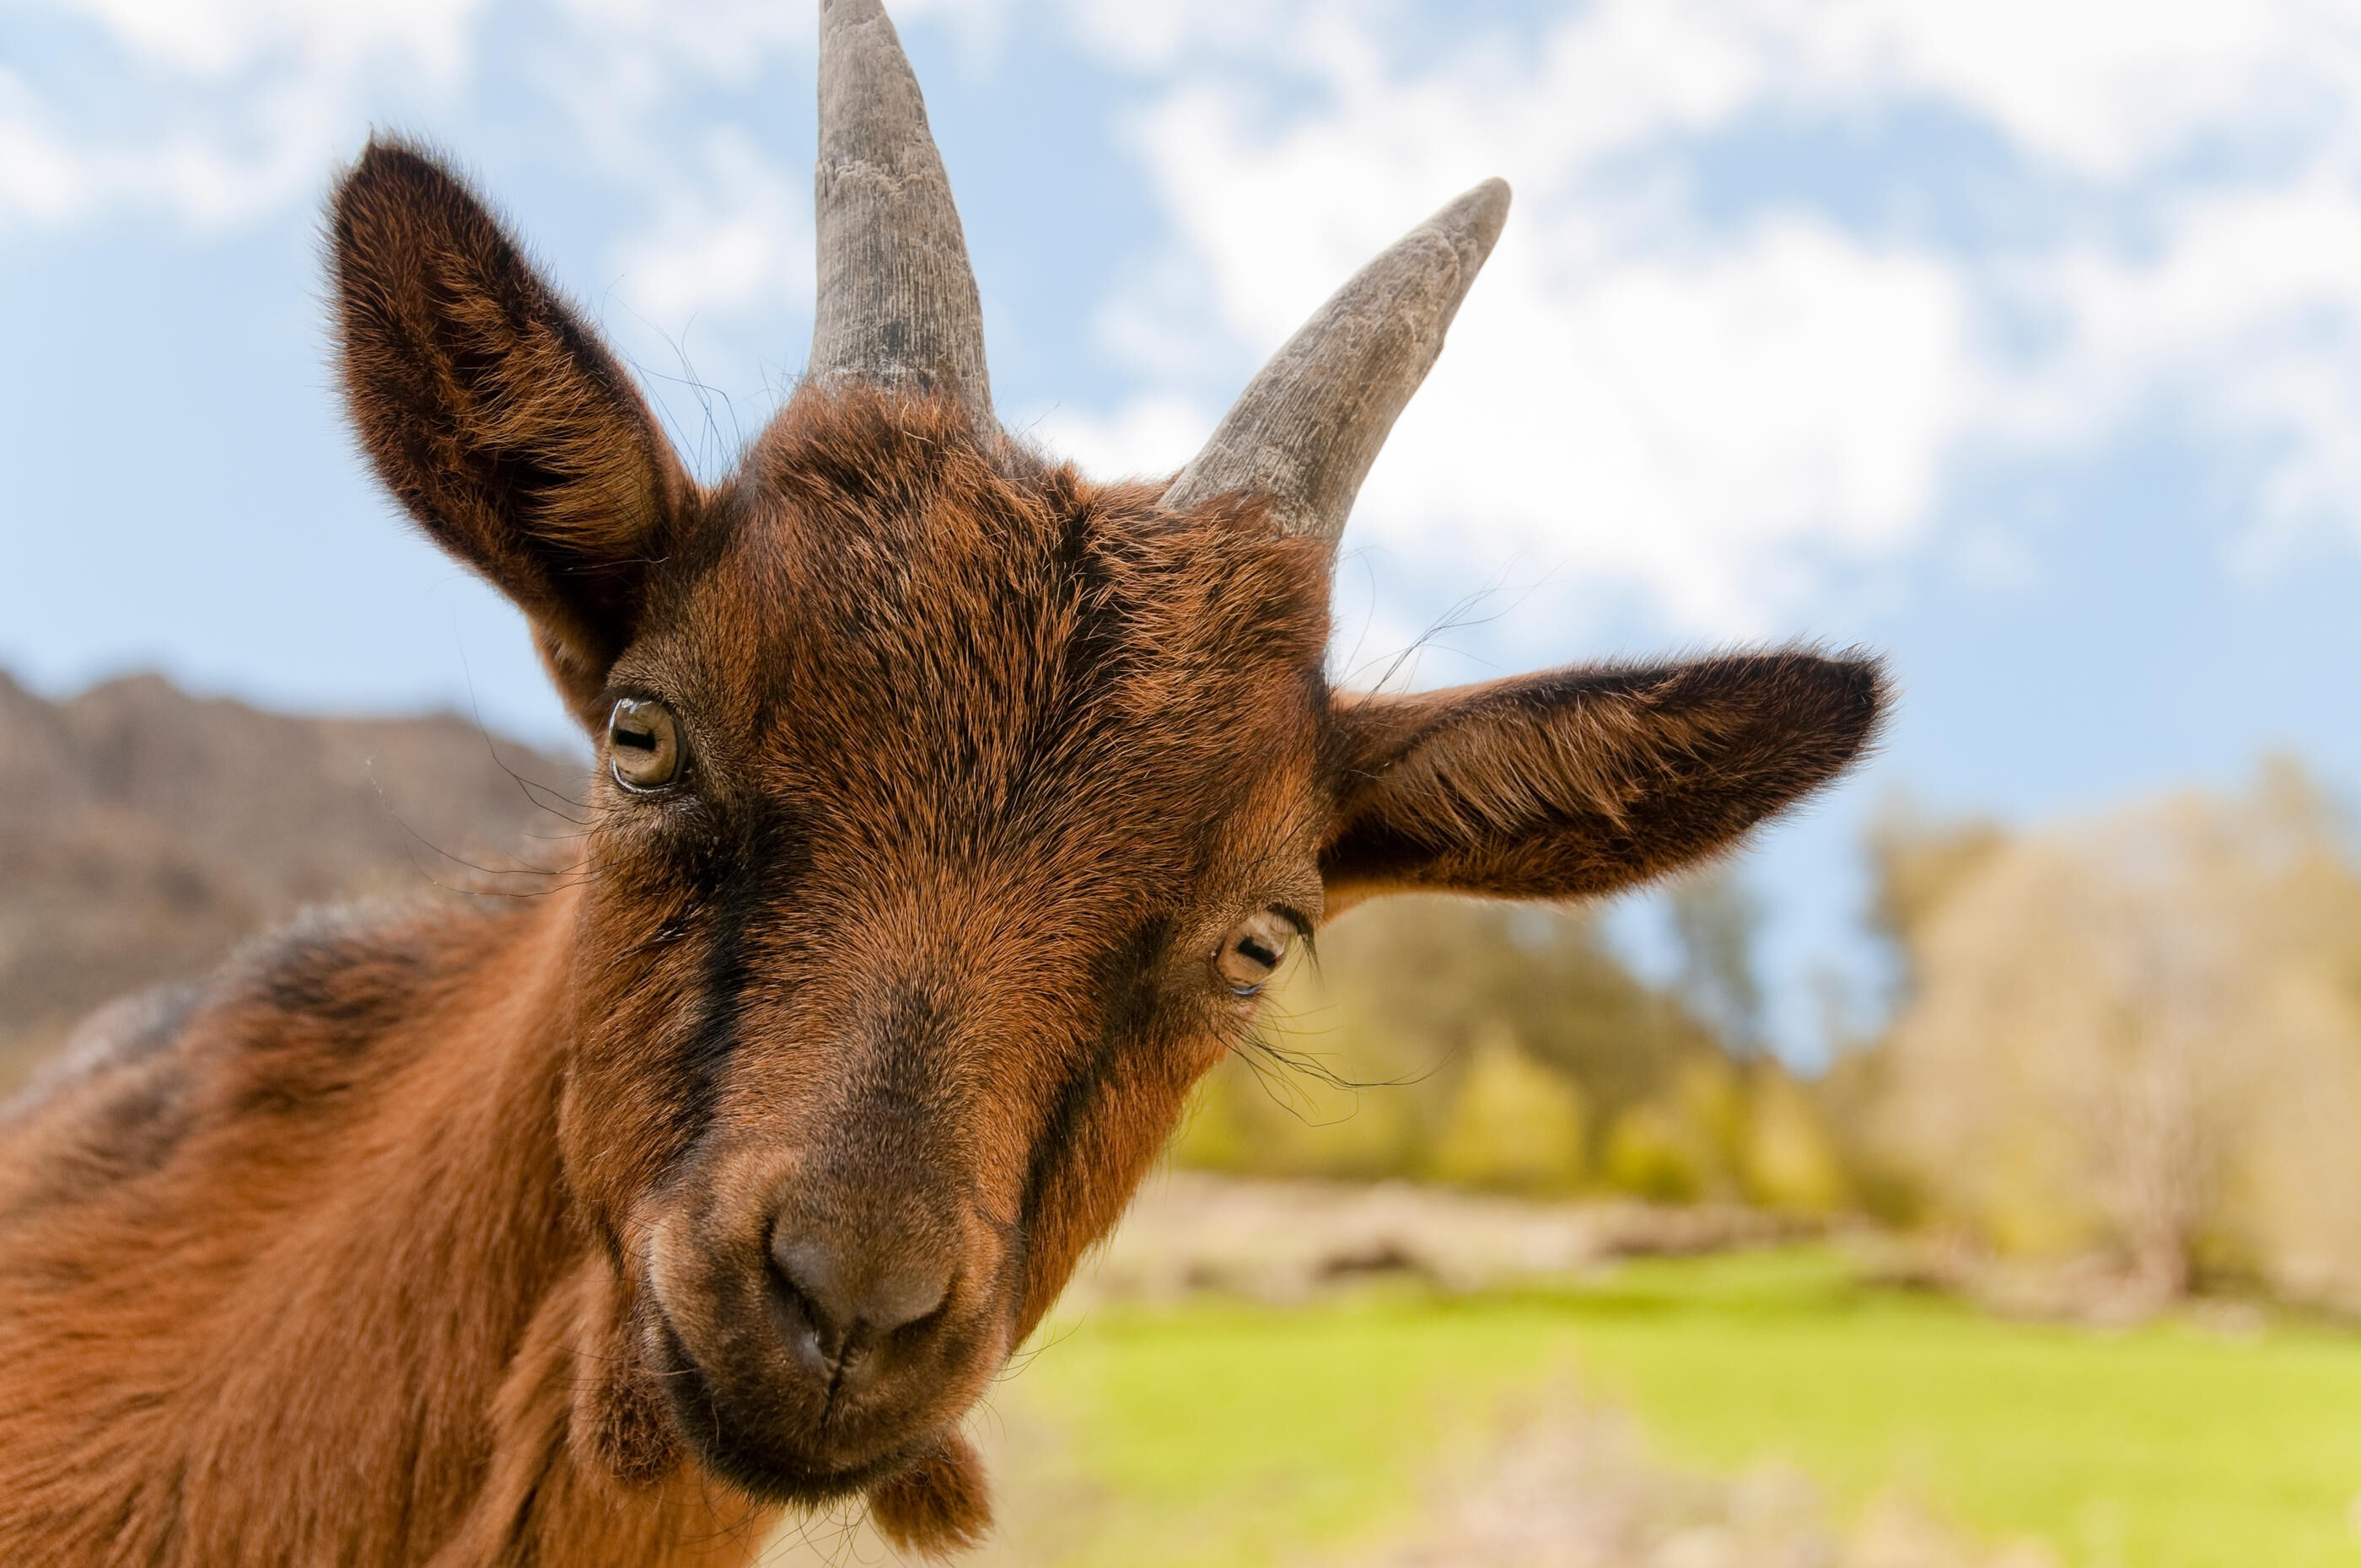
(643, 744)
(1253, 951)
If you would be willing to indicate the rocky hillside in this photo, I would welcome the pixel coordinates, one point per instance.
(144, 831)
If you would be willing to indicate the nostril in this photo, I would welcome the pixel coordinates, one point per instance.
(910, 1296)
(849, 1302)
(812, 1279)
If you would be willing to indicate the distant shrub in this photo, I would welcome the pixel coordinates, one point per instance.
(1789, 1160)
(1515, 1125)
(1506, 1050)
(1255, 1115)
(1650, 1155)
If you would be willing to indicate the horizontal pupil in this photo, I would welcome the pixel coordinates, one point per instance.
(642, 740)
(1258, 953)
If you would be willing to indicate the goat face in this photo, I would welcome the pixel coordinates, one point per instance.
(898, 967)
(952, 809)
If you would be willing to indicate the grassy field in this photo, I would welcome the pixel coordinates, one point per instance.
(1227, 1434)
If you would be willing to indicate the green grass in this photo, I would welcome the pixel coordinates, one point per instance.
(1238, 1435)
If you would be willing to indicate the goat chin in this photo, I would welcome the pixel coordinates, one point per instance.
(938, 1505)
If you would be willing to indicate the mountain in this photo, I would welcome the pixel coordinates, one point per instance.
(144, 831)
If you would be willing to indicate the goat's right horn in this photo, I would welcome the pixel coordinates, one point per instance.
(1309, 425)
(898, 299)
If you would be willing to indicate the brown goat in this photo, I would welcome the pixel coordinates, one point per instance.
(952, 811)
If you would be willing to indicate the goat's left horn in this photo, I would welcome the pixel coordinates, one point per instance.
(1310, 423)
(898, 299)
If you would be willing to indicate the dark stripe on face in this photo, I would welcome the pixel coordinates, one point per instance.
(758, 870)
(1127, 978)
(1057, 1141)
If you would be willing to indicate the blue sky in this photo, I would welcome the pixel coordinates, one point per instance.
(2022, 341)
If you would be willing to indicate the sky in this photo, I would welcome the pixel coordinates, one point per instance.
(2020, 341)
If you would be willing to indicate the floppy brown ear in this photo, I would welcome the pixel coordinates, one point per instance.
(494, 414)
(1578, 781)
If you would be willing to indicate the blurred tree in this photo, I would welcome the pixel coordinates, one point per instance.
(1715, 919)
(1515, 1126)
(1684, 1142)
(1364, 1054)
(1652, 1153)
(2140, 1033)
(1916, 865)
(1790, 1161)
(1853, 1096)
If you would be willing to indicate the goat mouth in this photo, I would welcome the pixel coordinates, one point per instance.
(767, 1463)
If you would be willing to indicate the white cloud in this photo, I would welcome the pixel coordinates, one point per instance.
(217, 38)
(1147, 436)
(2244, 319)
(2105, 86)
(210, 178)
(1155, 35)
(1713, 414)
(1685, 412)
(1689, 425)
(216, 111)
(1718, 414)
(224, 112)
(731, 232)
(39, 176)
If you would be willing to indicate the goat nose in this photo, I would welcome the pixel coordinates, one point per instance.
(851, 1303)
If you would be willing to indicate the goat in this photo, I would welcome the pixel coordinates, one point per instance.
(951, 813)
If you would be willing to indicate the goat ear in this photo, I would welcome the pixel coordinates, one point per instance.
(1580, 782)
(494, 414)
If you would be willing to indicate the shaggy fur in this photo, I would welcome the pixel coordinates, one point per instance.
(423, 1239)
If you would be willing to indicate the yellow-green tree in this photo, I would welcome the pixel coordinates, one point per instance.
(1366, 1055)
(1514, 1125)
(1788, 1160)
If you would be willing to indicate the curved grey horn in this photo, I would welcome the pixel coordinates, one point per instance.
(898, 299)
(1310, 423)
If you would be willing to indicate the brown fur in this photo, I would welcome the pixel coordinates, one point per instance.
(416, 1240)
(939, 1504)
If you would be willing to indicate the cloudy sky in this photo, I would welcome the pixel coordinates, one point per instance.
(2020, 339)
